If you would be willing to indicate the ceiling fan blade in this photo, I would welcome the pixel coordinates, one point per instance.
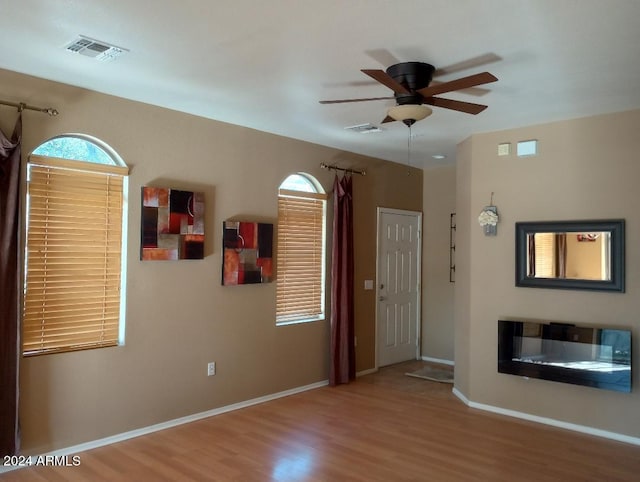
(387, 119)
(342, 101)
(458, 84)
(472, 63)
(382, 56)
(475, 91)
(353, 83)
(466, 107)
(385, 79)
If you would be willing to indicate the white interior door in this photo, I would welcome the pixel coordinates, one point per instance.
(398, 278)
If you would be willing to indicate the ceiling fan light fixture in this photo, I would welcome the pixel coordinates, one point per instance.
(409, 113)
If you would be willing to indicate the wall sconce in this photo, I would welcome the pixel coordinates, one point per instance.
(489, 219)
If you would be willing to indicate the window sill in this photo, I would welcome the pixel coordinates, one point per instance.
(297, 322)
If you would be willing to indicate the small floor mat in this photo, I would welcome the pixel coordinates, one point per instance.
(433, 374)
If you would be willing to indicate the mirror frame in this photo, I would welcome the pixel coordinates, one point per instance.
(614, 226)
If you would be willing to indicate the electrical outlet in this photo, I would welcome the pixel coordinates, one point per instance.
(211, 368)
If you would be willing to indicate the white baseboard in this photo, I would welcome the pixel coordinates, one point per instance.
(75, 449)
(438, 360)
(548, 421)
(366, 372)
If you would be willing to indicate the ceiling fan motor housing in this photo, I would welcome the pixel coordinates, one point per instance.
(413, 76)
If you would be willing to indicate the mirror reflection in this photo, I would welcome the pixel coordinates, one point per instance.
(569, 255)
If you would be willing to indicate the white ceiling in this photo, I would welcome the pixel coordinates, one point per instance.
(265, 64)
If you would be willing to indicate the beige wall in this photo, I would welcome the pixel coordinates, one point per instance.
(439, 197)
(463, 287)
(179, 317)
(398, 188)
(586, 169)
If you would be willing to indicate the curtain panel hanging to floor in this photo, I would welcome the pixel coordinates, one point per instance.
(9, 294)
(342, 364)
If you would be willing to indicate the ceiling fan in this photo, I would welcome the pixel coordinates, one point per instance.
(410, 81)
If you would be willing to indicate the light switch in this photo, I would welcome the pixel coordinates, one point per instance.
(368, 284)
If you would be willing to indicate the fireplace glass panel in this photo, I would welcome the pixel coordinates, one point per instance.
(595, 357)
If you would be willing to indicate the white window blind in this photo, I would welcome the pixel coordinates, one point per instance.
(300, 253)
(73, 255)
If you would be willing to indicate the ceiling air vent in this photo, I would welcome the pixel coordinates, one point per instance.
(364, 128)
(95, 48)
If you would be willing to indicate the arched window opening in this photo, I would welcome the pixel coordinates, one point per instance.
(75, 247)
(300, 294)
(75, 148)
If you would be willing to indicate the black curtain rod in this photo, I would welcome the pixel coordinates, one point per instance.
(347, 170)
(21, 106)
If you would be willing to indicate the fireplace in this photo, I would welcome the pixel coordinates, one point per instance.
(582, 355)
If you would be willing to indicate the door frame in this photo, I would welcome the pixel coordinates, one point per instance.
(418, 215)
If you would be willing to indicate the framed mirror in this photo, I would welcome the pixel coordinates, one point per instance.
(578, 255)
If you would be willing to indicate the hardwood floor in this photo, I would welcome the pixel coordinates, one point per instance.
(383, 427)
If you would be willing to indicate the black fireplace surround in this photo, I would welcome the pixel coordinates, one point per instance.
(592, 356)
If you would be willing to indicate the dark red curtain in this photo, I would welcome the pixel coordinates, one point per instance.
(9, 297)
(561, 255)
(343, 356)
(531, 242)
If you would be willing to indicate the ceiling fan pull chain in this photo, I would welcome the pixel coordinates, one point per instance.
(409, 148)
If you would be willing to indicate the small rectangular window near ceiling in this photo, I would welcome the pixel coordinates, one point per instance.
(73, 255)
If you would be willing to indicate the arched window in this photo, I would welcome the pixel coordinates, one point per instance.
(75, 247)
(301, 250)
(78, 148)
(299, 182)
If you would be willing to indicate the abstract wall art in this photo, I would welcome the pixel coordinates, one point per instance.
(172, 224)
(247, 253)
